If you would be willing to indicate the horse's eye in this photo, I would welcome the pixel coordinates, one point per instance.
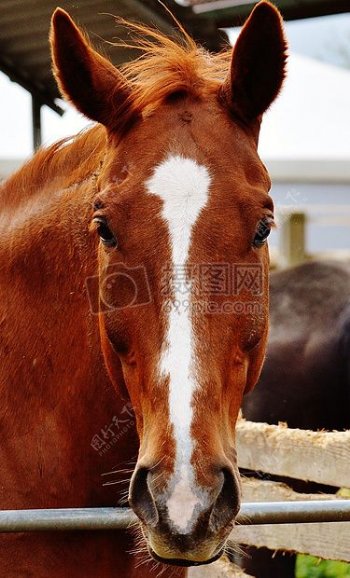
(104, 232)
(262, 232)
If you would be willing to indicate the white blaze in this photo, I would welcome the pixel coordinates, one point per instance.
(183, 185)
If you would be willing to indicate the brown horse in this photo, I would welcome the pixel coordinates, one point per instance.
(110, 250)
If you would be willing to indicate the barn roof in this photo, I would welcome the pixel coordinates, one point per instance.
(24, 51)
(24, 26)
(223, 12)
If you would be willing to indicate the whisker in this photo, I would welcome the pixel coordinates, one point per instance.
(233, 548)
(124, 499)
(133, 525)
(115, 482)
(162, 570)
(118, 471)
(145, 561)
(159, 462)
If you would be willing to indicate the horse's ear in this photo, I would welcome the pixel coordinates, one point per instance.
(258, 64)
(87, 79)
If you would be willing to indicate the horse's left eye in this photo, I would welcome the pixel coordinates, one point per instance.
(106, 235)
(262, 232)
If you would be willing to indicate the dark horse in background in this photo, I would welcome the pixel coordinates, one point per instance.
(306, 376)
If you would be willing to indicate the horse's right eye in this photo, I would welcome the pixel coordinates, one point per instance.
(106, 235)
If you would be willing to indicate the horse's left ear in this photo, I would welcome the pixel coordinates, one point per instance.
(87, 79)
(258, 64)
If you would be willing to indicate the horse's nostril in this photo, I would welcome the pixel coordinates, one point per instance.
(141, 499)
(227, 503)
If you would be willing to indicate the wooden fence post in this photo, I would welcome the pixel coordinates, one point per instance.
(292, 248)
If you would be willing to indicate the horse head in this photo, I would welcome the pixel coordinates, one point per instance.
(182, 212)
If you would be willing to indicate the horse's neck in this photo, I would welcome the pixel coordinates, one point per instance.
(55, 394)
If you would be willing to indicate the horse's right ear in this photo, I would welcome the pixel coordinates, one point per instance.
(87, 79)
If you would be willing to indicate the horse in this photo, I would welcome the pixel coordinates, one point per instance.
(305, 380)
(134, 274)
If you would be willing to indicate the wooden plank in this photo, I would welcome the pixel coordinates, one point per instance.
(322, 457)
(254, 490)
(220, 569)
(328, 541)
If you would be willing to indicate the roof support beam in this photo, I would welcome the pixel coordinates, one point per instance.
(227, 13)
(36, 122)
(145, 13)
(16, 75)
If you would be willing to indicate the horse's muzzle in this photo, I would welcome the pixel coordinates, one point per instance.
(203, 542)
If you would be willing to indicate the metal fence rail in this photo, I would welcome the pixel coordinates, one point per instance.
(121, 518)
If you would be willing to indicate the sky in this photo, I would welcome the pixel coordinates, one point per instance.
(310, 119)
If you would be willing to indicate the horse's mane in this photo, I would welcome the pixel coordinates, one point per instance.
(72, 159)
(166, 66)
